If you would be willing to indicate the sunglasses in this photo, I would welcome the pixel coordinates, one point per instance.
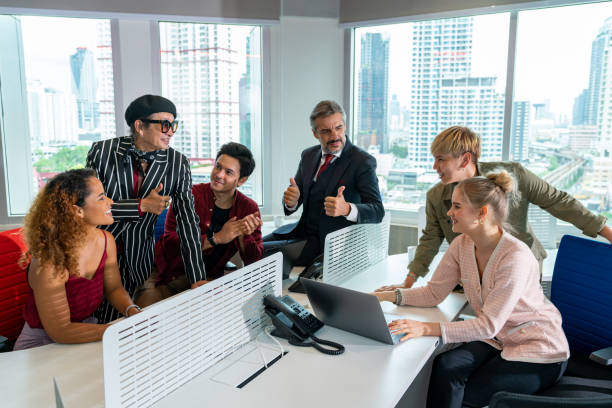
(166, 125)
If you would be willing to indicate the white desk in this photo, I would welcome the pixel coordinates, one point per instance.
(368, 374)
(27, 376)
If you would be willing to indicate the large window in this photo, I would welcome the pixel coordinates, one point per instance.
(415, 79)
(67, 81)
(562, 112)
(213, 74)
(57, 93)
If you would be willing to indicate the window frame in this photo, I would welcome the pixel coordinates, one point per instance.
(123, 76)
(408, 217)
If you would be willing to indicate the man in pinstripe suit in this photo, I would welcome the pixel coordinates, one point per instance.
(141, 173)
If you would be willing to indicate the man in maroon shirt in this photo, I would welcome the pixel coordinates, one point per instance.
(229, 222)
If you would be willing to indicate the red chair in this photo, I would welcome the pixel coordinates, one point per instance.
(13, 284)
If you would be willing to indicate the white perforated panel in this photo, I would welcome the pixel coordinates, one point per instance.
(154, 352)
(354, 249)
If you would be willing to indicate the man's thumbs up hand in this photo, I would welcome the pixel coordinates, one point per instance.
(337, 206)
(292, 194)
(340, 192)
(155, 203)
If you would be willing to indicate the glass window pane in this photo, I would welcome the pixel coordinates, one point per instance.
(412, 81)
(562, 110)
(212, 72)
(68, 68)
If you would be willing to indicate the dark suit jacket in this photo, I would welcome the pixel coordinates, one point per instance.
(356, 170)
(135, 232)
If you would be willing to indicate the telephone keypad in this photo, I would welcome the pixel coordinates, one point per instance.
(309, 319)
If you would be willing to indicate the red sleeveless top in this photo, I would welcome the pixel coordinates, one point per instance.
(84, 296)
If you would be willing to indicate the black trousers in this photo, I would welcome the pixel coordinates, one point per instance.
(469, 375)
(311, 248)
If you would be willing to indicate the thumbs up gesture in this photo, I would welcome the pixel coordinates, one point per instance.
(292, 194)
(154, 202)
(337, 206)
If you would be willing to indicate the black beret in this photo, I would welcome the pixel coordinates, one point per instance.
(147, 105)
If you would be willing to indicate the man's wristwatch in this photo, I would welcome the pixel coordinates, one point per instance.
(211, 239)
(413, 275)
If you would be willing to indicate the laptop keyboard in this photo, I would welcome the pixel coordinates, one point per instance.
(396, 337)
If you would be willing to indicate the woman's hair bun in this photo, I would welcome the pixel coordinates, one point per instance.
(503, 180)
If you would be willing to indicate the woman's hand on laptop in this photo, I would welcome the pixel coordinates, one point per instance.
(389, 296)
(408, 282)
(414, 328)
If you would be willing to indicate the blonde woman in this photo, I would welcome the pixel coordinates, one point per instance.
(516, 342)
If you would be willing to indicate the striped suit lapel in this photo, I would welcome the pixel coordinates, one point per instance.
(155, 174)
(124, 169)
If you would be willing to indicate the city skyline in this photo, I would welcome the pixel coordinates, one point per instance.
(489, 57)
(205, 70)
(210, 71)
(448, 86)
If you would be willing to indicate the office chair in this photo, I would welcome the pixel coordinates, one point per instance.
(159, 231)
(159, 225)
(13, 287)
(581, 287)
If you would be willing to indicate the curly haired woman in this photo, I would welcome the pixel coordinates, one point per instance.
(73, 263)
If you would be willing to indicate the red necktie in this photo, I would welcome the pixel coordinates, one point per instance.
(328, 159)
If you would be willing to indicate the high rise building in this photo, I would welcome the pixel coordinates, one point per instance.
(52, 119)
(519, 142)
(249, 91)
(600, 180)
(84, 88)
(579, 116)
(600, 45)
(441, 50)
(395, 118)
(473, 102)
(604, 108)
(542, 111)
(582, 139)
(373, 92)
(244, 110)
(104, 75)
(199, 70)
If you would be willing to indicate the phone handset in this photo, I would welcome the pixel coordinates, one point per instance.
(296, 324)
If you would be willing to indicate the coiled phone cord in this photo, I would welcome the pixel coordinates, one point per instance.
(339, 348)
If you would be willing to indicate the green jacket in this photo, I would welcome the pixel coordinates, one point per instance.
(529, 188)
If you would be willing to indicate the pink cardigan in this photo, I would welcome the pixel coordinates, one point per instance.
(512, 313)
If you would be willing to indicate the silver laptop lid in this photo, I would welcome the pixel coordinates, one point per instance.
(349, 310)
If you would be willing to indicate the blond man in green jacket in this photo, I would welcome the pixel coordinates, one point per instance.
(456, 151)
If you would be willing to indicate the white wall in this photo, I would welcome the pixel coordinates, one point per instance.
(307, 66)
(136, 44)
(368, 11)
(191, 9)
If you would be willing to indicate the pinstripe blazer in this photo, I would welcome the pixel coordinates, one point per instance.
(110, 158)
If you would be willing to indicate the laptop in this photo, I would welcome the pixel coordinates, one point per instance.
(350, 310)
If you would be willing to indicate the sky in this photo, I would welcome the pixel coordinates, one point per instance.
(553, 52)
(49, 42)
